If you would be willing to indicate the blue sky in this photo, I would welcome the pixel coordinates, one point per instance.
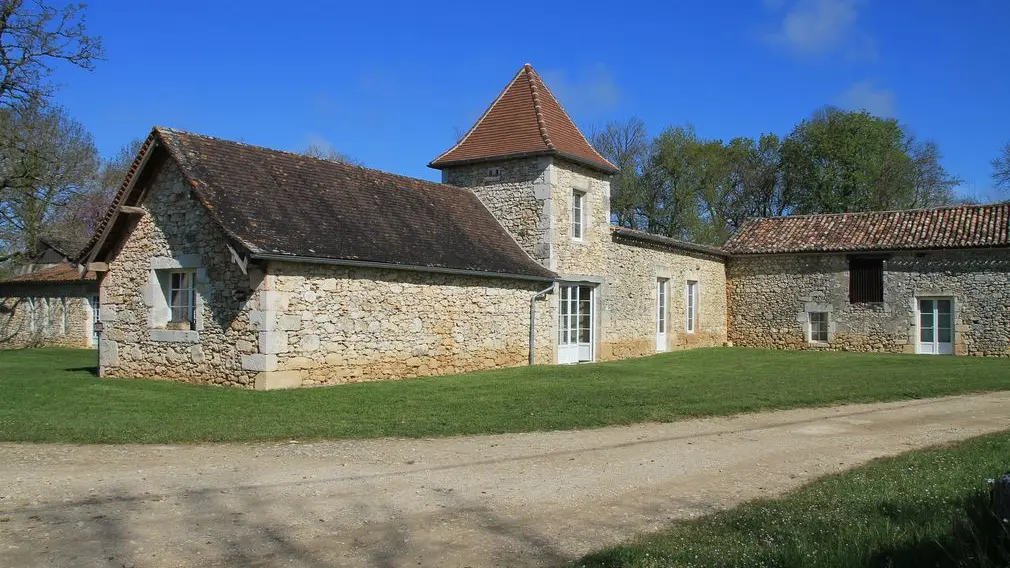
(389, 83)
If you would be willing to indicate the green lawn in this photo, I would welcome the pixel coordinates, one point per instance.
(923, 509)
(52, 395)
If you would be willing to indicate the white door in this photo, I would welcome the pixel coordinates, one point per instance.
(936, 326)
(661, 314)
(575, 324)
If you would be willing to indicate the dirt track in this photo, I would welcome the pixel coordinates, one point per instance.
(519, 499)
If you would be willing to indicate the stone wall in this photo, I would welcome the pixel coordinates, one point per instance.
(326, 324)
(41, 315)
(533, 198)
(518, 197)
(770, 296)
(626, 272)
(629, 299)
(177, 233)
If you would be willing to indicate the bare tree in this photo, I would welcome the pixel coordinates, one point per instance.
(38, 168)
(34, 38)
(48, 158)
(329, 154)
(626, 145)
(1001, 168)
(74, 224)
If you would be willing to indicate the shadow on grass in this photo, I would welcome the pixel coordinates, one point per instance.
(93, 371)
(977, 539)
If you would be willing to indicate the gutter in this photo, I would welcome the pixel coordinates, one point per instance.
(391, 266)
(533, 317)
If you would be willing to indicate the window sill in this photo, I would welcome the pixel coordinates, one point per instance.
(175, 336)
(820, 344)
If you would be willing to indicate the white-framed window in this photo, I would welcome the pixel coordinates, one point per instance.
(182, 298)
(691, 308)
(493, 174)
(95, 307)
(817, 327)
(578, 214)
(661, 305)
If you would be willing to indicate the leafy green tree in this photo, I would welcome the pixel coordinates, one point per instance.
(840, 161)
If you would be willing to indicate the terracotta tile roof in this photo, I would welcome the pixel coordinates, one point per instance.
(642, 236)
(967, 226)
(525, 120)
(60, 273)
(289, 205)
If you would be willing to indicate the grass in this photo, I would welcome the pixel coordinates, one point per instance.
(52, 395)
(927, 508)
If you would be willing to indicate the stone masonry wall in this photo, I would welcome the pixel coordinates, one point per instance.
(626, 272)
(176, 232)
(517, 197)
(46, 315)
(533, 199)
(337, 324)
(769, 298)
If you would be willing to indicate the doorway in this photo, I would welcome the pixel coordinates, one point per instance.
(936, 326)
(575, 323)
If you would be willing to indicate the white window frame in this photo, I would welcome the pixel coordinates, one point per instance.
(691, 306)
(158, 298)
(47, 316)
(578, 214)
(662, 312)
(181, 299)
(662, 304)
(826, 331)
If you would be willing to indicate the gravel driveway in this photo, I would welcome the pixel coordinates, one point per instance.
(505, 500)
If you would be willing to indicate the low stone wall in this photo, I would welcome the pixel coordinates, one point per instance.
(46, 315)
(769, 297)
(324, 324)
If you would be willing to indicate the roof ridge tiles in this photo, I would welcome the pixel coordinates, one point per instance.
(525, 120)
(537, 108)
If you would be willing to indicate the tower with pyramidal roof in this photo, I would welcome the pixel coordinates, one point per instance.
(537, 173)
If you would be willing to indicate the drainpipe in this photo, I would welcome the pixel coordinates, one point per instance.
(533, 317)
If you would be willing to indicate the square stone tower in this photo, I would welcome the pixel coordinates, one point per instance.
(537, 174)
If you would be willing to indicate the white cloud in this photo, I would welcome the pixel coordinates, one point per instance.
(863, 95)
(589, 93)
(818, 27)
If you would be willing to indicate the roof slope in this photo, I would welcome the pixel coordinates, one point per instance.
(280, 203)
(967, 226)
(643, 236)
(525, 120)
(64, 272)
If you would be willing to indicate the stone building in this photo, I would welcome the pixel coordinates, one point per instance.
(226, 263)
(929, 281)
(49, 303)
